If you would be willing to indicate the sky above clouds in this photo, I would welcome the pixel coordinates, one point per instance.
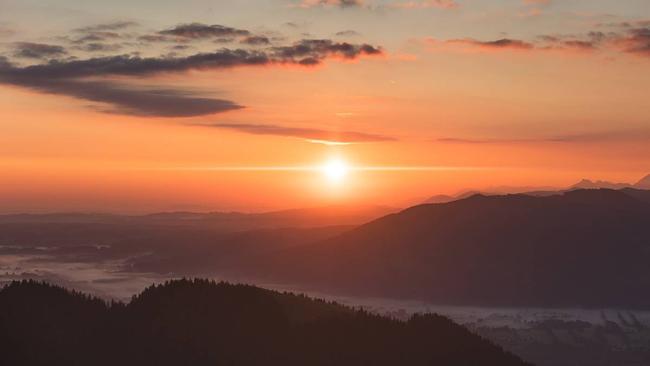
(142, 105)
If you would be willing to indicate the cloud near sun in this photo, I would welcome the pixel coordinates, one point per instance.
(92, 78)
(310, 134)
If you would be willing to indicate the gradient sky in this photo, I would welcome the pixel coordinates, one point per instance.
(139, 106)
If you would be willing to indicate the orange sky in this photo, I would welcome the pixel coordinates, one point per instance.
(471, 113)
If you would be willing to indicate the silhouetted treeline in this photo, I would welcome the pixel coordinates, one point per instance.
(200, 322)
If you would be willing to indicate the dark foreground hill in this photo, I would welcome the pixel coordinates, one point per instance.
(581, 248)
(204, 323)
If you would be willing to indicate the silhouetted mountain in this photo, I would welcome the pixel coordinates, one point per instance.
(643, 183)
(599, 184)
(446, 199)
(440, 198)
(494, 191)
(581, 248)
(639, 194)
(198, 322)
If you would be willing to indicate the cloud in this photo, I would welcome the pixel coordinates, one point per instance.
(114, 26)
(70, 77)
(534, 8)
(151, 38)
(99, 47)
(256, 40)
(313, 51)
(93, 38)
(6, 31)
(203, 31)
(310, 134)
(578, 45)
(369, 4)
(504, 43)
(123, 99)
(38, 50)
(305, 52)
(441, 4)
(635, 41)
(347, 33)
(558, 42)
(106, 80)
(627, 40)
(137, 66)
(598, 137)
(339, 3)
(97, 37)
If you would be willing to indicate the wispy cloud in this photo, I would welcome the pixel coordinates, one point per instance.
(309, 134)
(113, 26)
(537, 2)
(503, 43)
(339, 3)
(596, 137)
(628, 37)
(347, 33)
(6, 31)
(202, 31)
(38, 50)
(635, 41)
(373, 4)
(423, 4)
(124, 99)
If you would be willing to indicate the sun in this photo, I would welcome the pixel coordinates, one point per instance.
(335, 170)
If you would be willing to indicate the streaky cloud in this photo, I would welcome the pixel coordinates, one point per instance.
(38, 50)
(128, 100)
(310, 134)
(113, 26)
(599, 137)
(306, 52)
(504, 43)
(339, 3)
(200, 30)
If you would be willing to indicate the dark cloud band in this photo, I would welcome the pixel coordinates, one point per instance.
(71, 77)
(122, 99)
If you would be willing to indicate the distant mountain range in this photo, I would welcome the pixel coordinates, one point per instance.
(643, 183)
(198, 322)
(578, 248)
(586, 248)
(335, 215)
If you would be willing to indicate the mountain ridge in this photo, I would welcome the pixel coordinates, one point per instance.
(581, 248)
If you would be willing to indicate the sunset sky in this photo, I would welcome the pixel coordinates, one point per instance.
(141, 106)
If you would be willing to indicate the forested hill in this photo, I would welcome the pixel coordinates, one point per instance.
(200, 322)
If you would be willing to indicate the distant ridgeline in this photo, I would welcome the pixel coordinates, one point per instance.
(200, 322)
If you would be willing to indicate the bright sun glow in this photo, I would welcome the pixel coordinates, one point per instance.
(335, 170)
